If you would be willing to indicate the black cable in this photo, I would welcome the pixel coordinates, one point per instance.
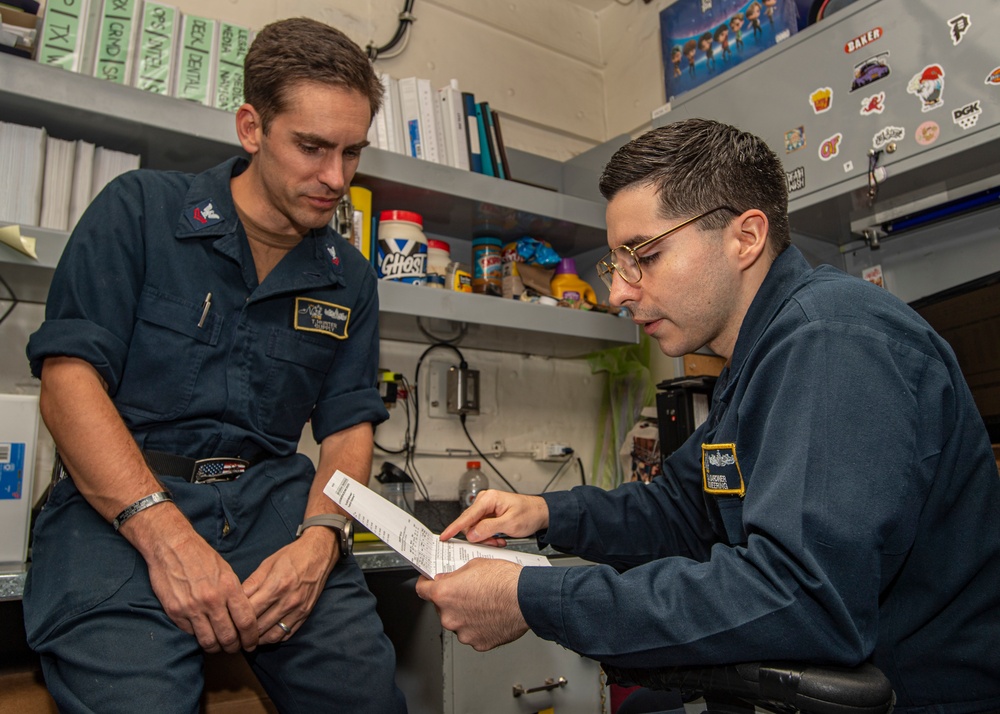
(405, 20)
(416, 381)
(461, 418)
(583, 476)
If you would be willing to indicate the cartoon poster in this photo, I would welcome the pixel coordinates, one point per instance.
(701, 39)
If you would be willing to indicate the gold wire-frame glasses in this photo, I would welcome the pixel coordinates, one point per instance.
(628, 267)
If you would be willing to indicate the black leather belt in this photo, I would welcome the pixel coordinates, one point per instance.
(211, 470)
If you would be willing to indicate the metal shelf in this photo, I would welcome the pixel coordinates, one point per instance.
(172, 134)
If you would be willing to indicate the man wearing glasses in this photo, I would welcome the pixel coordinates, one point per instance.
(839, 505)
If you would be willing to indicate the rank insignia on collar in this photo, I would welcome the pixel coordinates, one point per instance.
(334, 258)
(203, 215)
(720, 470)
(323, 317)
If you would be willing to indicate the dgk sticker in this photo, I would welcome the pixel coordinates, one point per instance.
(721, 470)
(967, 116)
(323, 317)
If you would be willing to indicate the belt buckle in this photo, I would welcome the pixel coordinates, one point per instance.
(218, 469)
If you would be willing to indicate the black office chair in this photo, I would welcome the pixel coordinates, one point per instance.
(782, 687)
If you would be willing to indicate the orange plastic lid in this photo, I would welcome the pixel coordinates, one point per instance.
(472, 464)
(402, 216)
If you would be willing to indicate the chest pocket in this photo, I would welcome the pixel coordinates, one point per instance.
(165, 355)
(296, 367)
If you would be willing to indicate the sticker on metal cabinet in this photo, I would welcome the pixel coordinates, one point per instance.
(958, 26)
(875, 104)
(830, 147)
(795, 139)
(323, 317)
(796, 179)
(861, 40)
(993, 77)
(871, 70)
(720, 470)
(927, 133)
(821, 100)
(11, 471)
(928, 86)
(889, 133)
(967, 116)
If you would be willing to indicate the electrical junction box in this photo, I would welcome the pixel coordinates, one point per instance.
(18, 436)
(463, 391)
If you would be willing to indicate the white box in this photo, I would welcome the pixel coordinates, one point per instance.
(18, 436)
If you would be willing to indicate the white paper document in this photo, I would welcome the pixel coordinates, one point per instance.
(408, 536)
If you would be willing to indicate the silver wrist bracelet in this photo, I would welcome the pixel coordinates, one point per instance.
(141, 505)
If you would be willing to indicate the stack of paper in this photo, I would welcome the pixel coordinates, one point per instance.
(22, 164)
(408, 536)
(107, 165)
(57, 186)
(83, 181)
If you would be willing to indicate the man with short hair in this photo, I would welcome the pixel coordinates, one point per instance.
(839, 505)
(194, 324)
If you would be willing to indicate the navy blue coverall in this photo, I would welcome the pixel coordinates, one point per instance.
(127, 297)
(840, 504)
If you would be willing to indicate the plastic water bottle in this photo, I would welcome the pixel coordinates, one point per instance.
(472, 482)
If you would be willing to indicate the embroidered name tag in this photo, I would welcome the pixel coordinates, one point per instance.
(323, 317)
(720, 470)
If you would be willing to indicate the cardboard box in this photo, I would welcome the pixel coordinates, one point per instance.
(696, 365)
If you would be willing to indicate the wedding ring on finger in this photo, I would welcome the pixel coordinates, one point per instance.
(287, 630)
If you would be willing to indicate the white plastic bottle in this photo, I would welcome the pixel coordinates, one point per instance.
(472, 482)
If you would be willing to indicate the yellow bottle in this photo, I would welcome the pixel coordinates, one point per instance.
(567, 285)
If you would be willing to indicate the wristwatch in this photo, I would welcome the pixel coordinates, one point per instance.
(341, 524)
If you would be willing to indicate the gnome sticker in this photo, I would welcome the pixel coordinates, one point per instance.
(928, 86)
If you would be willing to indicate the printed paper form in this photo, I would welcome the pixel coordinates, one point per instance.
(408, 536)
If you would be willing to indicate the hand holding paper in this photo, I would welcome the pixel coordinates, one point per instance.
(408, 536)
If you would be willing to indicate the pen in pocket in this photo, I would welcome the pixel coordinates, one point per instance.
(204, 309)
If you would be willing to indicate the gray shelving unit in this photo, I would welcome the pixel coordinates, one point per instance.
(172, 134)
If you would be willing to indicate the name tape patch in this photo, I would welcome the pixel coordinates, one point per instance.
(323, 317)
(720, 470)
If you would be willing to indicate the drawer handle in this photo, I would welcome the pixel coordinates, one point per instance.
(550, 684)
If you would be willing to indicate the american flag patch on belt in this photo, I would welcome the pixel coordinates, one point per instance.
(209, 470)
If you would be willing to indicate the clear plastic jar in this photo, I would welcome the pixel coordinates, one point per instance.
(487, 269)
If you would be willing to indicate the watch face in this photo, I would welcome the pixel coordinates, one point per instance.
(347, 537)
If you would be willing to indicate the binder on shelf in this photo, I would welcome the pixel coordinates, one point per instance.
(472, 132)
(196, 59)
(116, 36)
(155, 64)
(410, 113)
(393, 119)
(455, 136)
(429, 125)
(57, 183)
(63, 40)
(233, 43)
(486, 151)
(501, 148)
(495, 148)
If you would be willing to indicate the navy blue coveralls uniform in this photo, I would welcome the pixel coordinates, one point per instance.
(868, 528)
(237, 374)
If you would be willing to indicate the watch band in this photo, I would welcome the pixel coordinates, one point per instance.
(330, 520)
(141, 505)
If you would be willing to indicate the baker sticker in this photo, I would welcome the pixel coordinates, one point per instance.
(795, 139)
(993, 77)
(821, 100)
(323, 317)
(796, 179)
(928, 86)
(720, 470)
(890, 133)
(871, 70)
(875, 104)
(967, 116)
(861, 40)
(927, 133)
(958, 26)
(831, 147)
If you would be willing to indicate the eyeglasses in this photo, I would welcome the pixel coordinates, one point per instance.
(624, 261)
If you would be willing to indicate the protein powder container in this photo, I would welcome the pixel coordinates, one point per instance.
(438, 259)
(402, 247)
